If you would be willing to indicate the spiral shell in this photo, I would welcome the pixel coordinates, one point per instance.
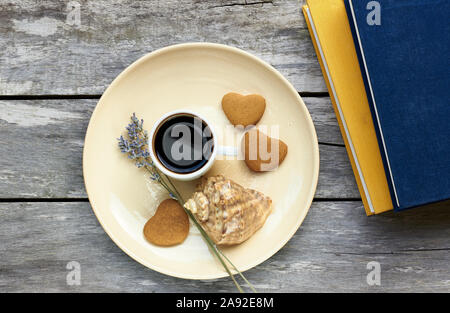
(228, 212)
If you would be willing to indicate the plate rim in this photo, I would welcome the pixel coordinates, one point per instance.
(189, 45)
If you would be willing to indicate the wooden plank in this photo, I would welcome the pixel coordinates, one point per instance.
(41, 144)
(44, 54)
(329, 253)
(324, 119)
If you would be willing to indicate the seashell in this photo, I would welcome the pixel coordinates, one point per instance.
(228, 212)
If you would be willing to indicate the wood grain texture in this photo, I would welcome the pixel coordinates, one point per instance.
(44, 54)
(328, 253)
(41, 144)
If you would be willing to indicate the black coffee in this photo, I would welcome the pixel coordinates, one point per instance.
(183, 144)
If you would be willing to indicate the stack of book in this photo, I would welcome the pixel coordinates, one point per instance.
(387, 68)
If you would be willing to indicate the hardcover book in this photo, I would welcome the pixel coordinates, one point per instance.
(404, 48)
(332, 39)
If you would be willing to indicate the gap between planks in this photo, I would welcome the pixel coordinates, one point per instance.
(98, 96)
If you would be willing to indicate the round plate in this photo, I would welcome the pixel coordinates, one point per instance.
(195, 76)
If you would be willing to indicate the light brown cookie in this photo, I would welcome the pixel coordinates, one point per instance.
(243, 110)
(169, 226)
(257, 148)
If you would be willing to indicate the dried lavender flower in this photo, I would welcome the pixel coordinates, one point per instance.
(136, 147)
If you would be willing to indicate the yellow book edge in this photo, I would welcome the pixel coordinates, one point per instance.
(365, 196)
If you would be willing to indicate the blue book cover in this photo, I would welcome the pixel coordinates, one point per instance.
(404, 54)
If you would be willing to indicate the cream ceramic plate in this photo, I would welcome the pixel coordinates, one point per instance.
(195, 77)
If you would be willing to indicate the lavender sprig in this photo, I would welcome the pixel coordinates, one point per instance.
(136, 147)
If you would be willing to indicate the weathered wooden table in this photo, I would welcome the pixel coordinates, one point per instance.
(57, 58)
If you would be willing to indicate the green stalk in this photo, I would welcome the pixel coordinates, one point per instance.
(213, 248)
(239, 272)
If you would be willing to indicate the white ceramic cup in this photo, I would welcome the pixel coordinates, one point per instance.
(222, 150)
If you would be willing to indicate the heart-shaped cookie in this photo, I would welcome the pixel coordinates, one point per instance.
(243, 110)
(261, 152)
(169, 226)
